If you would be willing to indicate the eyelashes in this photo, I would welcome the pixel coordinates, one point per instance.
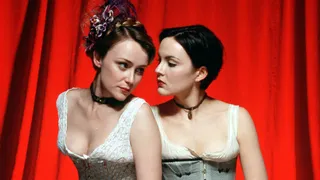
(140, 71)
(124, 66)
(170, 64)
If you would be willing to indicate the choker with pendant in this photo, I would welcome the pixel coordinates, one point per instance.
(104, 100)
(190, 109)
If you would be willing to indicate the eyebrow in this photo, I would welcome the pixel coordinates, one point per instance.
(169, 57)
(128, 61)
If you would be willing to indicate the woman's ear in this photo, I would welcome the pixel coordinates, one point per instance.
(97, 61)
(202, 73)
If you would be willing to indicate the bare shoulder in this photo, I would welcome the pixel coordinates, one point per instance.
(244, 115)
(244, 118)
(144, 121)
(69, 95)
(246, 125)
(144, 125)
(69, 98)
(144, 112)
(217, 105)
(251, 158)
(145, 132)
(75, 95)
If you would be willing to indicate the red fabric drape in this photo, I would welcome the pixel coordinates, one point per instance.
(271, 68)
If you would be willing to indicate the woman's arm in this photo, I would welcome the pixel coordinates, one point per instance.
(250, 154)
(146, 145)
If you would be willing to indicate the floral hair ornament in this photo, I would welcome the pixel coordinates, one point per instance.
(109, 15)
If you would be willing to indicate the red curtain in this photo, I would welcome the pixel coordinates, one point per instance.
(271, 68)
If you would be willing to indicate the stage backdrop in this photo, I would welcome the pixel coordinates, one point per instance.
(271, 68)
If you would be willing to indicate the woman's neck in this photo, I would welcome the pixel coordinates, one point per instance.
(98, 88)
(190, 99)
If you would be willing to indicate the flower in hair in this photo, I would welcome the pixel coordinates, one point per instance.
(108, 14)
(99, 25)
(113, 12)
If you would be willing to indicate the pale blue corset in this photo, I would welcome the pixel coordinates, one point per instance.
(180, 162)
(198, 169)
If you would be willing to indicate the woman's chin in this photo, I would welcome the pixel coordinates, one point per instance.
(163, 92)
(121, 96)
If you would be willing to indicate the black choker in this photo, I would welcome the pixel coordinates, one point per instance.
(190, 109)
(104, 100)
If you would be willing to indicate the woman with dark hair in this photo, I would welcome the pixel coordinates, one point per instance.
(104, 128)
(201, 136)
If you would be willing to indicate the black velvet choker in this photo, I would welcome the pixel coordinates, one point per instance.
(104, 100)
(190, 109)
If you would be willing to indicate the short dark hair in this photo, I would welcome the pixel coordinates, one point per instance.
(203, 47)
